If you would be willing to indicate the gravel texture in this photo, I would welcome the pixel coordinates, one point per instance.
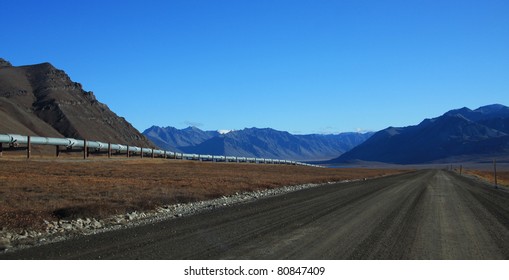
(64, 229)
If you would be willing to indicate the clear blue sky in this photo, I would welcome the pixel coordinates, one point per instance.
(312, 66)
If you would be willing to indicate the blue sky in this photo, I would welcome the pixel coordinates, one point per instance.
(311, 66)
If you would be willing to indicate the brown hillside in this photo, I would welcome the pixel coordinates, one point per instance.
(42, 100)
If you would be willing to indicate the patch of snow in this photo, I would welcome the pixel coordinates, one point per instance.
(225, 131)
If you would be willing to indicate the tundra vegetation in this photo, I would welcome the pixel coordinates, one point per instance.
(52, 189)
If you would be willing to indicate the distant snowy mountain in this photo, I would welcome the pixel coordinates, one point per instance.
(255, 142)
(224, 131)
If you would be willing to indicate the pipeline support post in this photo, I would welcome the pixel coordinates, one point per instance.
(57, 151)
(85, 149)
(141, 152)
(127, 151)
(29, 147)
(152, 153)
(1, 149)
(109, 150)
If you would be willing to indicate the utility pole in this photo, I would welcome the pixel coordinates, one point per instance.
(495, 172)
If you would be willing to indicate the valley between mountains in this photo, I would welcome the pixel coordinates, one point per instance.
(433, 190)
(42, 100)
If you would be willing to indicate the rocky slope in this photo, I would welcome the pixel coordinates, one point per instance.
(42, 100)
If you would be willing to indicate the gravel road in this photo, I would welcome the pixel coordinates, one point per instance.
(427, 214)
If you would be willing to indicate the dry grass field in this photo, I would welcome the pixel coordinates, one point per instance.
(36, 190)
(502, 176)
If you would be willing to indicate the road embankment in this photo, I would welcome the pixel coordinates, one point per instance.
(427, 214)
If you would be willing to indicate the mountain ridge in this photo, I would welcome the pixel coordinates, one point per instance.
(171, 138)
(42, 100)
(458, 133)
(256, 142)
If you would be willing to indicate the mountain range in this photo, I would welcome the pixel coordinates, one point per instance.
(42, 100)
(171, 138)
(255, 142)
(458, 135)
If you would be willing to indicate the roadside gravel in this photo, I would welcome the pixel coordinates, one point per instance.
(64, 229)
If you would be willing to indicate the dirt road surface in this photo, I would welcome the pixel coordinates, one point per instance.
(427, 214)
